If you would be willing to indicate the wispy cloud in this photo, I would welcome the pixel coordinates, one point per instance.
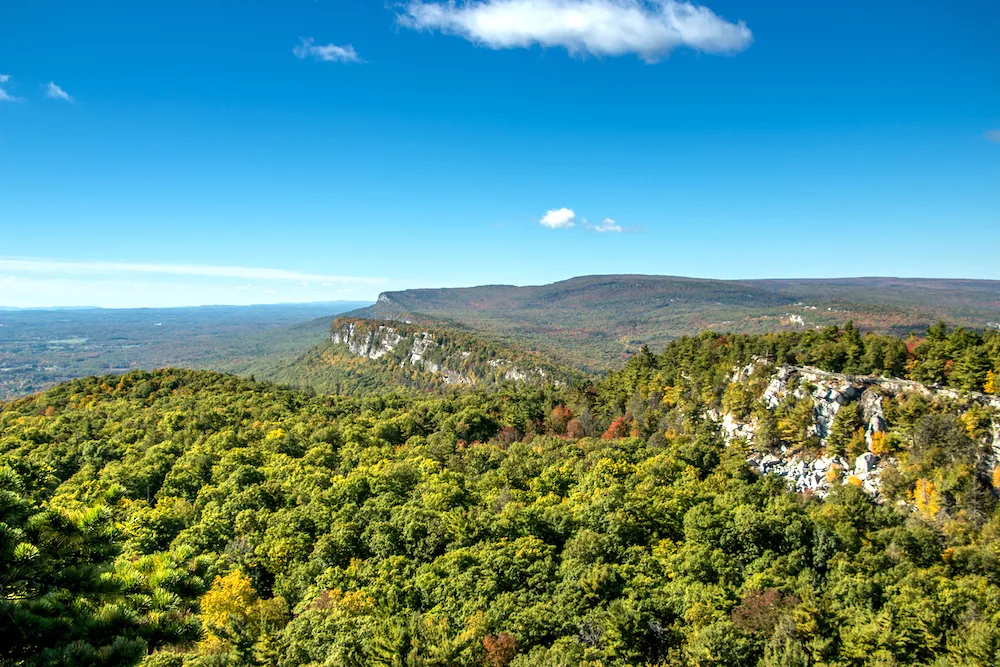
(561, 218)
(608, 225)
(650, 29)
(4, 95)
(18, 265)
(330, 53)
(52, 91)
(994, 136)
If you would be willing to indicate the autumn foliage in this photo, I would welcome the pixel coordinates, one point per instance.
(761, 611)
(500, 649)
(927, 498)
(574, 429)
(559, 418)
(880, 444)
(620, 428)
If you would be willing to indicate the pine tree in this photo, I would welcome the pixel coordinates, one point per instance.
(855, 349)
(62, 602)
(843, 431)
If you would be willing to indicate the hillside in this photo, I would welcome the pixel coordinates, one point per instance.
(672, 515)
(363, 356)
(595, 322)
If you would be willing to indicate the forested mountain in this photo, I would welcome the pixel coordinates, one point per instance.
(374, 356)
(183, 518)
(593, 322)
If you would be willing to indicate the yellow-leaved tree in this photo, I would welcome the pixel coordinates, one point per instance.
(228, 601)
(231, 613)
(927, 497)
(880, 443)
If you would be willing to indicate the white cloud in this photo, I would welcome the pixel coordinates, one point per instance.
(4, 95)
(330, 53)
(561, 218)
(650, 29)
(993, 135)
(15, 265)
(33, 282)
(157, 292)
(609, 225)
(52, 91)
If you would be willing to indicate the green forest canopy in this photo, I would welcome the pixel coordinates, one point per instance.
(189, 518)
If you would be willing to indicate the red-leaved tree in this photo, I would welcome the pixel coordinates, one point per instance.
(620, 428)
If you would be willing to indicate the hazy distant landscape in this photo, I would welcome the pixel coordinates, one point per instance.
(39, 348)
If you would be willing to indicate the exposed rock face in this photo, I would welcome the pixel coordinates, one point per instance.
(422, 350)
(421, 343)
(383, 340)
(511, 372)
(829, 399)
(871, 411)
(778, 387)
(820, 475)
(736, 430)
(829, 393)
(373, 344)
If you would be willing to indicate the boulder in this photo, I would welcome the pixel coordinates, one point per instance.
(864, 464)
(822, 464)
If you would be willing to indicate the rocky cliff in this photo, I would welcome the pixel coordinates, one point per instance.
(453, 357)
(814, 469)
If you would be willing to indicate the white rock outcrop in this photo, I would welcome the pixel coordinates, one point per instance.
(374, 344)
(829, 393)
(414, 349)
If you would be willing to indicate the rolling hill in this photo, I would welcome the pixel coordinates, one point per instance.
(594, 322)
(362, 356)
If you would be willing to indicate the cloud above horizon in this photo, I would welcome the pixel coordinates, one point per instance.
(330, 53)
(650, 29)
(18, 265)
(32, 282)
(4, 95)
(609, 225)
(560, 218)
(54, 92)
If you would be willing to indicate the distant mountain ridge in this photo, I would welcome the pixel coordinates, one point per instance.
(593, 322)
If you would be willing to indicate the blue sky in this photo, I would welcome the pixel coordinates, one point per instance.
(173, 153)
